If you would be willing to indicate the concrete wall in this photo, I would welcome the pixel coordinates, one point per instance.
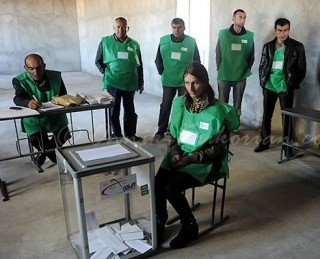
(148, 21)
(260, 19)
(46, 27)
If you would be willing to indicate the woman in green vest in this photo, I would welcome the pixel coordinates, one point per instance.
(199, 128)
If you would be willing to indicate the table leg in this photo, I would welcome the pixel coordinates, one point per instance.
(4, 190)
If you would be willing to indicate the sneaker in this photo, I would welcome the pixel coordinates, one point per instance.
(136, 138)
(187, 233)
(38, 161)
(261, 148)
(115, 136)
(158, 137)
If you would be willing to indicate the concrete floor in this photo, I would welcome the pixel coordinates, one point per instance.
(274, 208)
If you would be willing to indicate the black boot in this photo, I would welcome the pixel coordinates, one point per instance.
(160, 231)
(188, 232)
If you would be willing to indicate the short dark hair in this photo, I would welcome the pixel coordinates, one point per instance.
(33, 56)
(238, 11)
(121, 19)
(177, 21)
(281, 22)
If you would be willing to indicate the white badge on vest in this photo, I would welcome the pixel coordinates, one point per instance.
(184, 49)
(235, 47)
(204, 125)
(175, 55)
(277, 64)
(130, 49)
(122, 55)
(188, 137)
(244, 41)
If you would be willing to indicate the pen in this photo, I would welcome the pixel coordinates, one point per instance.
(35, 98)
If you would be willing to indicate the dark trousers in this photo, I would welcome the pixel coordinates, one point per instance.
(269, 102)
(129, 117)
(169, 185)
(41, 141)
(165, 106)
(224, 88)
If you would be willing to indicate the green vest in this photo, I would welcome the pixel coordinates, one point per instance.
(122, 62)
(235, 51)
(176, 57)
(277, 80)
(44, 123)
(193, 130)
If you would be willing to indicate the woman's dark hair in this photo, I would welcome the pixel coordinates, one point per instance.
(198, 70)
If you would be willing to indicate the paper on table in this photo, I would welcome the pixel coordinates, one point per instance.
(103, 98)
(102, 152)
(47, 106)
(6, 113)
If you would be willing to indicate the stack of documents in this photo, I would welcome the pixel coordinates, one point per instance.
(112, 240)
(103, 98)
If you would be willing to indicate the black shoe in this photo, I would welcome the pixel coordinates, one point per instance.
(135, 138)
(38, 161)
(160, 232)
(261, 148)
(187, 233)
(52, 157)
(158, 137)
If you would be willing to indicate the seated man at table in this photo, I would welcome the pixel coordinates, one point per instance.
(33, 87)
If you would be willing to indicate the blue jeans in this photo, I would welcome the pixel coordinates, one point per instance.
(129, 117)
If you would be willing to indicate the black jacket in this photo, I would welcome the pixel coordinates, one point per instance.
(294, 63)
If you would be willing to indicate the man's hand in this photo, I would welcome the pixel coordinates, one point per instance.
(34, 105)
(184, 161)
(175, 160)
(140, 90)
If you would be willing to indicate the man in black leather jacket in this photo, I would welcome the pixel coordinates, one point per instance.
(282, 68)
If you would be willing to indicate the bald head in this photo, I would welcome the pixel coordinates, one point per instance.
(35, 66)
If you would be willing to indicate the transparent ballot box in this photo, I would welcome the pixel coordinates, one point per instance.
(108, 199)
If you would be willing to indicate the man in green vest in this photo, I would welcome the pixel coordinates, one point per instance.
(119, 60)
(175, 52)
(234, 58)
(282, 69)
(33, 87)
